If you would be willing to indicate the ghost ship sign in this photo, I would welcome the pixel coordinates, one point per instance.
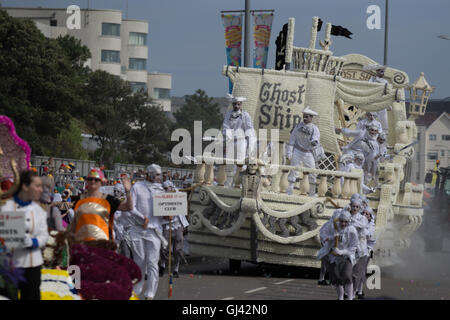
(279, 105)
(275, 99)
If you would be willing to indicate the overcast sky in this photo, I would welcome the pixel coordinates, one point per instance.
(186, 37)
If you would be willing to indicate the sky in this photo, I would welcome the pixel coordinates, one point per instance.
(186, 37)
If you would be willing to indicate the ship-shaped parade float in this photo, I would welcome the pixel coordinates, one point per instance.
(248, 215)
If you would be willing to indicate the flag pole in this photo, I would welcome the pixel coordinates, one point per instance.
(247, 41)
(386, 26)
(170, 258)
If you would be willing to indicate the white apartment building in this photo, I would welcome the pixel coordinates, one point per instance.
(159, 85)
(434, 144)
(118, 46)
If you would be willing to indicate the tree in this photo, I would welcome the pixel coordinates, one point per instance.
(39, 83)
(199, 107)
(69, 141)
(149, 140)
(107, 113)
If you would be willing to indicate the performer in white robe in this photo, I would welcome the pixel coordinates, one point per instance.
(304, 149)
(238, 132)
(340, 259)
(146, 236)
(360, 274)
(367, 121)
(379, 78)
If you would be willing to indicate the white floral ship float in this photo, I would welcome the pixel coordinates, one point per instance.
(254, 219)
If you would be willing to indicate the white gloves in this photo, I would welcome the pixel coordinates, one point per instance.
(340, 252)
(27, 242)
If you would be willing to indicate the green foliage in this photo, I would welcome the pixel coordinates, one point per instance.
(39, 87)
(69, 141)
(150, 137)
(53, 98)
(199, 107)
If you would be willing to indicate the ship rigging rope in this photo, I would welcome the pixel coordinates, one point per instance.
(279, 239)
(222, 205)
(223, 232)
(285, 214)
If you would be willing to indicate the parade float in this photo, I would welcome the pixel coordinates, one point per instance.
(254, 219)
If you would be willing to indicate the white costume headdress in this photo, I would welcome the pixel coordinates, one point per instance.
(168, 184)
(154, 168)
(308, 110)
(235, 99)
(345, 216)
(374, 67)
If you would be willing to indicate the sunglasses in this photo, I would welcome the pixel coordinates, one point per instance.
(93, 179)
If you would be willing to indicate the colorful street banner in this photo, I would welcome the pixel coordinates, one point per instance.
(261, 34)
(233, 39)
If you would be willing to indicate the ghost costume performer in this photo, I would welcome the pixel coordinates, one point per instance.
(303, 147)
(238, 131)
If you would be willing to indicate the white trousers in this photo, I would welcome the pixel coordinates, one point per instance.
(307, 160)
(146, 256)
(241, 149)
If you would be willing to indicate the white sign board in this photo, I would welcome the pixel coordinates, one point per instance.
(107, 190)
(170, 204)
(12, 228)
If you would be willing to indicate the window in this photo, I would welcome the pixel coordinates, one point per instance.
(432, 156)
(418, 136)
(159, 93)
(138, 64)
(446, 137)
(138, 39)
(432, 137)
(442, 153)
(53, 23)
(110, 56)
(136, 86)
(111, 29)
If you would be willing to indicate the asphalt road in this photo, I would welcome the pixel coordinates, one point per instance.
(419, 275)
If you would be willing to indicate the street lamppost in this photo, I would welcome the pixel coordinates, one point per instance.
(386, 20)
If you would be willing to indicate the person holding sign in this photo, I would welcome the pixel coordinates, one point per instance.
(304, 148)
(146, 232)
(27, 252)
(178, 224)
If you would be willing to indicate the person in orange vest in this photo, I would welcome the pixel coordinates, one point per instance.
(94, 211)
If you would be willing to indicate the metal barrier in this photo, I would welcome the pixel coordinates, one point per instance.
(84, 166)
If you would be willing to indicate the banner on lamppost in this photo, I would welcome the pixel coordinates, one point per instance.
(261, 34)
(233, 39)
